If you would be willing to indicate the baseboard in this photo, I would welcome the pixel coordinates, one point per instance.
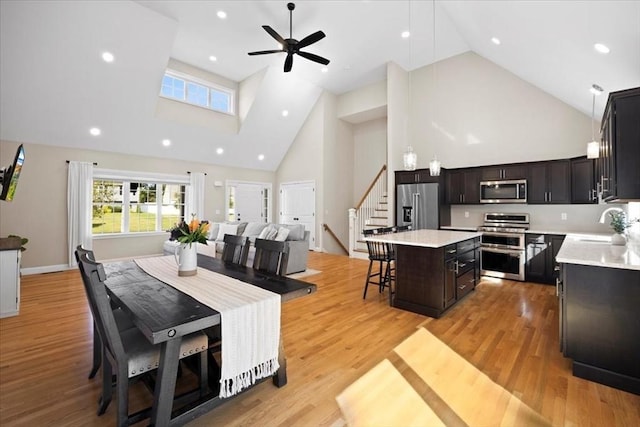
(45, 269)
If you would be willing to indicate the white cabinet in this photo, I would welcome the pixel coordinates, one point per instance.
(9, 282)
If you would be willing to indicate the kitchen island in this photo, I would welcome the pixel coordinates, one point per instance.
(434, 268)
(599, 299)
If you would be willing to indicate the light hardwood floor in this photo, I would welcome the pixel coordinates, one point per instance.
(508, 330)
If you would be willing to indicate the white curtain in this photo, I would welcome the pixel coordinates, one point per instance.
(195, 196)
(79, 201)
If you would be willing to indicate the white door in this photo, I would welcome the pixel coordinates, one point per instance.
(248, 202)
(298, 206)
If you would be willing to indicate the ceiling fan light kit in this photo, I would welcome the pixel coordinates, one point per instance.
(292, 46)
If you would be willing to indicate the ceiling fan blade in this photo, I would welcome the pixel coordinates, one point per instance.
(288, 63)
(263, 52)
(310, 39)
(315, 58)
(275, 35)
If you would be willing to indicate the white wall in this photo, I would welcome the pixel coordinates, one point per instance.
(39, 210)
(369, 153)
(471, 112)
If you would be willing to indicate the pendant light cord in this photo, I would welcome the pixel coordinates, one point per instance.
(593, 113)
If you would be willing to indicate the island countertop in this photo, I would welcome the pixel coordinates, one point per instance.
(598, 252)
(425, 238)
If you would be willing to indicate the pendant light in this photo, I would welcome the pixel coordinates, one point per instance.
(593, 147)
(434, 165)
(410, 158)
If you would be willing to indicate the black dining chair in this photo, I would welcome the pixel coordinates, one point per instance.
(129, 352)
(271, 256)
(236, 249)
(381, 255)
(123, 321)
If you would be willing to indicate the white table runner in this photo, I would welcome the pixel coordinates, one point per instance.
(250, 320)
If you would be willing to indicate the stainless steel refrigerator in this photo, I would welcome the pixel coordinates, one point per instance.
(417, 205)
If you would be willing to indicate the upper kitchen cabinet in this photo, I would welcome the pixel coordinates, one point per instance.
(415, 177)
(502, 172)
(463, 186)
(583, 181)
(619, 161)
(549, 182)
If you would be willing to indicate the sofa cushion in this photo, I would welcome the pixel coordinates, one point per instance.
(296, 231)
(254, 229)
(227, 229)
(283, 232)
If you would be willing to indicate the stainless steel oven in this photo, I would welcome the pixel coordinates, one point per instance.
(502, 246)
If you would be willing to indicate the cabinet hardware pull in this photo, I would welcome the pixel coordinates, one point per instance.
(457, 266)
(462, 287)
(462, 265)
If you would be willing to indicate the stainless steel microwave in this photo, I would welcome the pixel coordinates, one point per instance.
(510, 191)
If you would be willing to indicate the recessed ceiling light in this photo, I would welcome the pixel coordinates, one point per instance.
(595, 89)
(601, 48)
(108, 57)
(166, 142)
(324, 69)
(221, 14)
(213, 58)
(285, 113)
(261, 157)
(95, 131)
(495, 40)
(220, 150)
(405, 34)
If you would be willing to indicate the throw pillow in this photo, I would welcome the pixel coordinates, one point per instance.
(254, 229)
(273, 231)
(226, 229)
(213, 231)
(282, 234)
(265, 232)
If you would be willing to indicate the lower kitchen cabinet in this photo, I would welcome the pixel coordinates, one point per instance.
(431, 280)
(541, 251)
(599, 324)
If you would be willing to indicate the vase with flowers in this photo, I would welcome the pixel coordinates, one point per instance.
(619, 223)
(186, 253)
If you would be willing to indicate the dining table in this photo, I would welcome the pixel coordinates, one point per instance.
(164, 315)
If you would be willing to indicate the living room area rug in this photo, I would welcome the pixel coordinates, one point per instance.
(307, 272)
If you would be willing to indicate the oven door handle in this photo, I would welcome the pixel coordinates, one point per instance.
(501, 234)
(503, 251)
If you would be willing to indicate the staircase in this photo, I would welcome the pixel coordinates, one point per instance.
(372, 212)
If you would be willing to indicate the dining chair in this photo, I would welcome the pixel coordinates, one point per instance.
(271, 256)
(236, 249)
(123, 321)
(383, 255)
(129, 352)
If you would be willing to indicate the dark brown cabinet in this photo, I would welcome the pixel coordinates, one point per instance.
(618, 171)
(430, 280)
(549, 182)
(541, 251)
(415, 176)
(463, 186)
(583, 182)
(502, 172)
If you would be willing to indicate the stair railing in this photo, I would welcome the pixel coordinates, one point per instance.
(335, 237)
(360, 216)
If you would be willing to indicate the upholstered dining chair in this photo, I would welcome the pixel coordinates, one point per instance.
(236, 249)
(128, 352)
(123, 321)
(382, 255)
(271, 256)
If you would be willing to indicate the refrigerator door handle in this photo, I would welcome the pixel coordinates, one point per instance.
(416, 210)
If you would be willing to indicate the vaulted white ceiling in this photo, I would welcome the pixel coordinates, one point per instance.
(54, 85)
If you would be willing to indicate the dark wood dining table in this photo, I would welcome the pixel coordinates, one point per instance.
(164, 315)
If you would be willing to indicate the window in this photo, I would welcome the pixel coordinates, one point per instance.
(135, 206)
(188, 89)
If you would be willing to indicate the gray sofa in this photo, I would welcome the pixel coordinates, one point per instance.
(296, 237)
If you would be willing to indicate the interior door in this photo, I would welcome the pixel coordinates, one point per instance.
(247, 202)
(298, 206)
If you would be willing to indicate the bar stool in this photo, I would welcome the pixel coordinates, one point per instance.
(381, 254)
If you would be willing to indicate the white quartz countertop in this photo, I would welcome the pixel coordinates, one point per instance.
(425, 238)
(597, 250)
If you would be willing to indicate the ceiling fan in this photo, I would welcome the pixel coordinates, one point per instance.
(292, 45)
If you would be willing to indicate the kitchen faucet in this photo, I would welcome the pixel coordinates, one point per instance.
(609, 210)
